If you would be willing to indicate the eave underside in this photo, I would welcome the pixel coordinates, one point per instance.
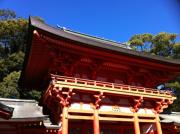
(47, 51)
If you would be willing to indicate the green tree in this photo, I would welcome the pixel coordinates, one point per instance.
(141, 42)
(176, 85)
(31, 94)
(163, 44)
(176, 51)
(13, 40)
(13, 35)
(11, 63)
(9, 86)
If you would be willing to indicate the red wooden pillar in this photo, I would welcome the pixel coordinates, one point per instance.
(136, 124)
(98, 99)
(64, 129)
(158, 124)
(65, 120)
(96, 122)
(136, 105)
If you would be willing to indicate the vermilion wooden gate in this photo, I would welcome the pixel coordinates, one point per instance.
(86, 127)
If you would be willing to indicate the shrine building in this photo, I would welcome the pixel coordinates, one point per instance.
(96, 86)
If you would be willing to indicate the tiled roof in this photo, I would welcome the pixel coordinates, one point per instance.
(173, 117)
(97, 42)
(24, 110)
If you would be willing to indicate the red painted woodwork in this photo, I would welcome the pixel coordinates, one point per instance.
(107, 128)
(71, 61)
(63, 57)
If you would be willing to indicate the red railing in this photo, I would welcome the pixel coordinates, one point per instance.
(102, 84)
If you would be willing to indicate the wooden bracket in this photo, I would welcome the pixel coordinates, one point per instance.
(63, 97)
(137, 102)
(161, 105)
(98, 99)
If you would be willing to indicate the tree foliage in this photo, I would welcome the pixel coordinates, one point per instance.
(12, 62)
(176, 51)
(13, 40)
(141, 42)
(163, 44)
(9, 86)
(31, 94)
(13, 36)
(176, 85)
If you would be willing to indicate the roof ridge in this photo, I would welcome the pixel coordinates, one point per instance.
(94, 36)
(64, 29)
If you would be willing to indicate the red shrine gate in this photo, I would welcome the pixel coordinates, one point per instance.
(95, 85)
(114, 104)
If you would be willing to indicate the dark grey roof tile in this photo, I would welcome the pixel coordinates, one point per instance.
(24, 109)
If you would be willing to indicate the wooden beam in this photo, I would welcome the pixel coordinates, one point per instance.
(146, 115)
(70, 110)
(81, 117)
(147, 120)
(114, 113)
(116, 119)
(78, 117)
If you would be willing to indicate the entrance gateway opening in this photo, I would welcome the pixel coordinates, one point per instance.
(86, 127)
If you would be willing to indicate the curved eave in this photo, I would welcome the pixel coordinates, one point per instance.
(101, 44)
(27, 53)
(93, 42)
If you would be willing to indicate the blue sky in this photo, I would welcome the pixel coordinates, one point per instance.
(112, 19)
